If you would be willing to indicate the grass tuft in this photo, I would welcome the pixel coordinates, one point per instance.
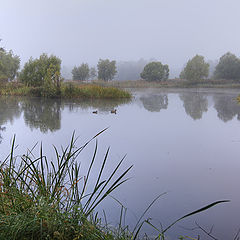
(42, 199)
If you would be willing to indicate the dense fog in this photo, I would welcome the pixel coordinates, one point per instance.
(133, 31)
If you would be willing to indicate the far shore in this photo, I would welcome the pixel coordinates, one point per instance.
(171, 83)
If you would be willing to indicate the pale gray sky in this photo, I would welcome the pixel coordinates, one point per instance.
(171, 31)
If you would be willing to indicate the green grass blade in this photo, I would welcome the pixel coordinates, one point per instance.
(195, 212)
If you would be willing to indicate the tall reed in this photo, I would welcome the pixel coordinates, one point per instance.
(42, 199)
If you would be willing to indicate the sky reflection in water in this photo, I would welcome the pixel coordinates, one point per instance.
(183, 142)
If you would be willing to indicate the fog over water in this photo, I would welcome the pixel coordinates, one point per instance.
(77, 31)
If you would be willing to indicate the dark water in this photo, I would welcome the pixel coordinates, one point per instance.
(183, 142)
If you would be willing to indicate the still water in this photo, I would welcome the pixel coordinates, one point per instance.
(183, 142)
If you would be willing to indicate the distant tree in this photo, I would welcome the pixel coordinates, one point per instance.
(42, 71)
(92, 73)
(81, 73)
(228, 67)
(155, 71)
(9, 65)
(106, 69)
(196, 69)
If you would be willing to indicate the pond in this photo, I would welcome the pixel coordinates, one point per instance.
(182, 142)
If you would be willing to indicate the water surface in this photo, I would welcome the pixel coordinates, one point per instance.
(183, 142)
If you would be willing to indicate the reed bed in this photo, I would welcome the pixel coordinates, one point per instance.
(42, 199)
(67, 90)
(91, 91)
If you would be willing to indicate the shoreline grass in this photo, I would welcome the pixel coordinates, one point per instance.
(171, 83)
(67, 90)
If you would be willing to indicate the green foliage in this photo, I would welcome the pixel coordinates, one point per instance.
(228, 67)
(106, 69)
(9, 65)
(42, 72)
(81, 73)
(196, 69)
(93, 91)
(66, 90)
(52, 82)
(155, 72)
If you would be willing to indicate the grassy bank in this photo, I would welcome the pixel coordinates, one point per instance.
(44, 199)
(172, 83)
(67, 90)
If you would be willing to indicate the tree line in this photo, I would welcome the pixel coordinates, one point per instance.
(45, 71)
(196, 69)
(106, 70)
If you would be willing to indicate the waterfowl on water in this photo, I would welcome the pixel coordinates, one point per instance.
(95, 112)
(114, 111)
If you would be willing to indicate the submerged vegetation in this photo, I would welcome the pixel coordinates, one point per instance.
(44, 199)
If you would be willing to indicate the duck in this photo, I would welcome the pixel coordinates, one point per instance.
(95, 112)
(114, 111)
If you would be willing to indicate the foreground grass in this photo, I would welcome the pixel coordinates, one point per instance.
(67, 90)
(238, 99)
(43, 199)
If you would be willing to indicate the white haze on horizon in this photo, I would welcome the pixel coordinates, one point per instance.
(171, 31)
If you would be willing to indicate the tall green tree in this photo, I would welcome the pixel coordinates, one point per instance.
(155, 71)
(9, 65)
(106, 69)
(228, 67)
(81, 73)
(196, 69)
(42, 71)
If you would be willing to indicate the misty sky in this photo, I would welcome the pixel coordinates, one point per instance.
(77, 31)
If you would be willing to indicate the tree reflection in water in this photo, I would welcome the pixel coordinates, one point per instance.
(154, 103)
(195, 104)
(227, 107)
(43, 114)
(9, 110)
